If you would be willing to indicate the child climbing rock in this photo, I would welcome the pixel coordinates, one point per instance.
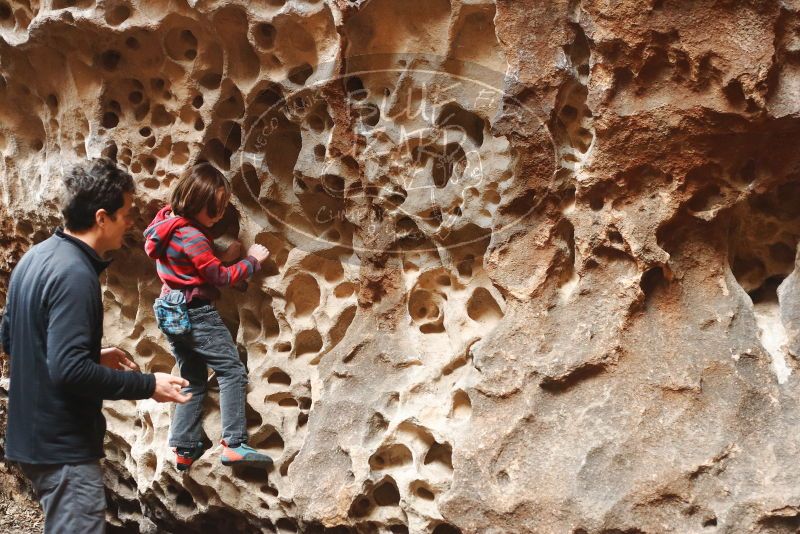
(191, 273)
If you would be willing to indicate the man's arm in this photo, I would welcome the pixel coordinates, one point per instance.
(72, 314)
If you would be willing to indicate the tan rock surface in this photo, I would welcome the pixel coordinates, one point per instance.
(533, 262)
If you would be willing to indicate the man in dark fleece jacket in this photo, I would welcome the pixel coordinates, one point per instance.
(52, 329)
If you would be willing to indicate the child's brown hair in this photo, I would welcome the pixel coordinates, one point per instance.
(197, 189)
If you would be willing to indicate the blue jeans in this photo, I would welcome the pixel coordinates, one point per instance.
(208, 344)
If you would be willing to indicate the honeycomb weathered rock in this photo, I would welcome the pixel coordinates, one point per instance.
(527, 257)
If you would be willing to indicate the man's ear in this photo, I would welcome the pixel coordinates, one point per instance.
(100, 217)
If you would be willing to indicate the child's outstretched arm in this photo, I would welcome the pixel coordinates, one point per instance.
(198, 248)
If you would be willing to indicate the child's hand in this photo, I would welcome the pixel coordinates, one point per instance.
(259, 252)
(232, 253)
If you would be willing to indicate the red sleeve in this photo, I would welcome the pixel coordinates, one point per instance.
(198, 249)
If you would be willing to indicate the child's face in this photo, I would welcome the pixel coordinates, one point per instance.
(203, 217)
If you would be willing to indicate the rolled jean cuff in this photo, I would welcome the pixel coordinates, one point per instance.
(185, 444)
(235, 441)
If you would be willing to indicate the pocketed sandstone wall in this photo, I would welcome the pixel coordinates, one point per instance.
(532, 262)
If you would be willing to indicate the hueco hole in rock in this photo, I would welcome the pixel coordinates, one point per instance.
(532, 263)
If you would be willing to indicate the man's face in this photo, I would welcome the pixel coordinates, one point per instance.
(113, 229)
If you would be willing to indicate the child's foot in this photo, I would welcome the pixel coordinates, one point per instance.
(185, 456)
(243, 455)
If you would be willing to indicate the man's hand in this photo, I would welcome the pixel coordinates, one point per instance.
(232, 253)
(168, 388)
(116, 359)
(259, 252)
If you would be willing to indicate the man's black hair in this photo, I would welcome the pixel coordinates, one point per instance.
(91, 186)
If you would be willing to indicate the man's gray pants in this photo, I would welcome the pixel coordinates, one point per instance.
(72, 496)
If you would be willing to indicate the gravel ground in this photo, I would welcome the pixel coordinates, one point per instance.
(19, 511)
(20, 516)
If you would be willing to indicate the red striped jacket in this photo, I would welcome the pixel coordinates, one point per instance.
(185, 258)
